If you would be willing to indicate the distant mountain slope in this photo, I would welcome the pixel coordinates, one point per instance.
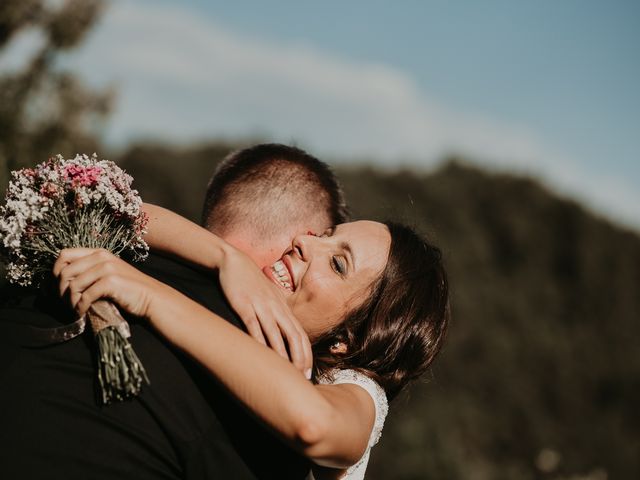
(542, 354)
(540, 377)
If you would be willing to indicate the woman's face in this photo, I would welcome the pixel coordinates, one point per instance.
(324, 277)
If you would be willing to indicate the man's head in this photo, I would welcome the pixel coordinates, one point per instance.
(261, 197)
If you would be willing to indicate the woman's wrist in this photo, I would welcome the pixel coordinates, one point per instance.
(177, 236)
(163, 303)
(220, 253)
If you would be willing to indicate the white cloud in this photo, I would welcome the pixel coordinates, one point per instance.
(183, 77)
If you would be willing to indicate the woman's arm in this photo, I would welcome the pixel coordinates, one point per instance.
(260, 307)
(329, 424)
(171, 233)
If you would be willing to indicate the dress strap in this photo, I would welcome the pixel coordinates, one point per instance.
(337, 377)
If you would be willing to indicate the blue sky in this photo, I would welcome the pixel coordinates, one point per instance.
(568, 69)
(546, 88)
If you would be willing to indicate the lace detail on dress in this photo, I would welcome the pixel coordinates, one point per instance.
(336, 377)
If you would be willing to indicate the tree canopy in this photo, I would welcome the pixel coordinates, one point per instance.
(44, 109)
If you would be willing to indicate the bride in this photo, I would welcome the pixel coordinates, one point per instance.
(372, 298)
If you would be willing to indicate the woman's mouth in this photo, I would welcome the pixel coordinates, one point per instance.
(280, 274)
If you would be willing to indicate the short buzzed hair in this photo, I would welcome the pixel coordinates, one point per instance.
(270, 185)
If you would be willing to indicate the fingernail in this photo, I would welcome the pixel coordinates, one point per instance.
(307, 373)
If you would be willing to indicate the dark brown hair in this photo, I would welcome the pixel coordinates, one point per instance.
(270, 184)
(395, 334)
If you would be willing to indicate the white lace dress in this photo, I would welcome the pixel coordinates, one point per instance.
(356, 472)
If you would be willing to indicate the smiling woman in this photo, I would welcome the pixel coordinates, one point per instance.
(324, 277)
(372, 297)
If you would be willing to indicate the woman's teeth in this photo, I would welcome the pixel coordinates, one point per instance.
(281, 274)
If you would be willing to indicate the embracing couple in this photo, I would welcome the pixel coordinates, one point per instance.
(274, 338)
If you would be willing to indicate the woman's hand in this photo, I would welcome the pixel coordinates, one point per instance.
(263, 309)
(87, 275)
(258, 303)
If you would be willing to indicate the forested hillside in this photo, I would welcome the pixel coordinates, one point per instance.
(540, 377)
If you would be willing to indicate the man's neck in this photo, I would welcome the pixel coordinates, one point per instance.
(262, 252)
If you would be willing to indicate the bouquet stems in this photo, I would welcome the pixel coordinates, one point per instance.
(120, 372)
(79, 202)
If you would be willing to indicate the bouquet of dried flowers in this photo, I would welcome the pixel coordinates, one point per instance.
(79, 202)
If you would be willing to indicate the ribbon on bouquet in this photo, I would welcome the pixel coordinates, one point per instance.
(32, 336)
(120, 371)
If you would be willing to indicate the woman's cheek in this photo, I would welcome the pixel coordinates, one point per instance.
(316, 318)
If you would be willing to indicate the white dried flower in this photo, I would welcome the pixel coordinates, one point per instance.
(61, 203)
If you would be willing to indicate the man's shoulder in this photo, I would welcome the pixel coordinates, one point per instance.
(40, 307)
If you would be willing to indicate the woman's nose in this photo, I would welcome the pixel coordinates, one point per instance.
(303, 245)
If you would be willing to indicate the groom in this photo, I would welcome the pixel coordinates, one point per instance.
(183, 425)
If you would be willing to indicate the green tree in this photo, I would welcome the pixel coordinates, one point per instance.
(45, 110)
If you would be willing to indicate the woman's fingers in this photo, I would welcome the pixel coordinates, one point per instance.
(306, 348)
(269, 324)
(296, 350)
(90, 274)
(71, 264)
(80, 282)
(299, 347)
(80, 270)
(280, 325)
(96, 291)
(252, 325)
(69, 255)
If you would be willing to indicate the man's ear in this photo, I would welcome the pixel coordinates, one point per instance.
(338, 348)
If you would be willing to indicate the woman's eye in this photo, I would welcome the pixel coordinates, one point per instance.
(338, 265)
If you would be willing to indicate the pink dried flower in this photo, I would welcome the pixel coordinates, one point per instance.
(50, 190)
(61, 203)
(82, 175)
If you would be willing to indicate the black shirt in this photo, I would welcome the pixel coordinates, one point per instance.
(183, 425)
